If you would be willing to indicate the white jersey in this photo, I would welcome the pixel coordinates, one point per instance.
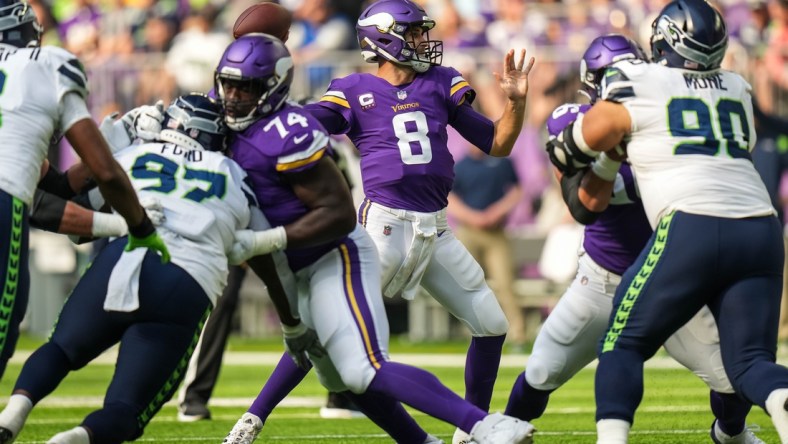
(691, 140)
(205, 202)
(33, 82)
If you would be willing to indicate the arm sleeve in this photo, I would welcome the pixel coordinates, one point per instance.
(333, 109)
(72, 109)
(474, 127)
(47, 211)
(570, 183)
(333, 121)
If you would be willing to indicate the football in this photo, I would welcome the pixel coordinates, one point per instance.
(270, 18)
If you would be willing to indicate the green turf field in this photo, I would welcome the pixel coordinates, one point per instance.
(674, 409)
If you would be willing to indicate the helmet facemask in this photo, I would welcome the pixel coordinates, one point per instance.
(689, 35)
(195, 122)
(382, 37)
(240, 113)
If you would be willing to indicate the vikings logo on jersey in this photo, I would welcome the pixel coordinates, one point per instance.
(405, 159)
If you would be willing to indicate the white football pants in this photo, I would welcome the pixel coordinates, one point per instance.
(569, 338)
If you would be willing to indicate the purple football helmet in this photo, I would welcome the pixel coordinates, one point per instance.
(601, 53)
(563, 116)
(253, 79)
(383, 35)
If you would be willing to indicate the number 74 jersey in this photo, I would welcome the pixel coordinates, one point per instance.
(400, 132)
(692, 134)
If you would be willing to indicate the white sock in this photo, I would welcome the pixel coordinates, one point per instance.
(15, 413)
(775, 406)
(77, 435)
(612, 431)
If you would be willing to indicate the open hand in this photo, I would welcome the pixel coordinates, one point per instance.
(514, 80)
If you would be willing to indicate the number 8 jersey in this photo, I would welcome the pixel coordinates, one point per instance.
(691, 140)
(400, 132)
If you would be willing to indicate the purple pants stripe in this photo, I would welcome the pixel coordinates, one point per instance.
(356, 298)
(363, 212)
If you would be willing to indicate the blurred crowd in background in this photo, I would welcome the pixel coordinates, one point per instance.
(139, 51)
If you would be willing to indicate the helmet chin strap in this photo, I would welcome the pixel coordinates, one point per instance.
(172, 136)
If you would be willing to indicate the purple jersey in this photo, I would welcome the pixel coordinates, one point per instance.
(288, 141)
(616, 238)
(400, 132)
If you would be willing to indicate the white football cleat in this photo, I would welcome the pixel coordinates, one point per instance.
(776, 407)
(498, 428)
(460, 437)
(77, 435)
(431, 439)
(244, 431)
(745, 437)
(13, 417)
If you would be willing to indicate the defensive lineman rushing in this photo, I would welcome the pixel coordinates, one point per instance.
(42, 95)
(155, 310)
(304, 196)
(605, 199)
(716, 239)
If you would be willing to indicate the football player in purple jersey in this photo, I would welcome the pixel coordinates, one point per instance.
(335, 320)
(397, 119)
(604, 197)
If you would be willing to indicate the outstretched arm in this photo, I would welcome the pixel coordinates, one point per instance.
(605, 125)
(514, 83)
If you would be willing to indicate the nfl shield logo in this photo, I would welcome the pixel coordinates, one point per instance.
(402, 95)
(387, 230)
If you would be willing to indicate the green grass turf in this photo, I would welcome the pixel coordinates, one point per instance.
(674, 409)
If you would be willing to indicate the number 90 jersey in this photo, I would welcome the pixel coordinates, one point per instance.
(400, 132)
(692, 134)
(205, 200)
(33, 82)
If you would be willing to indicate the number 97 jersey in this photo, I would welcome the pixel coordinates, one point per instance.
(692, 134)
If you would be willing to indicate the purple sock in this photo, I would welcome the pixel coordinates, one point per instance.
(421, 390)
(730, 410)
(481, 369)
(283, 380)
(390, 416)
(526, 402)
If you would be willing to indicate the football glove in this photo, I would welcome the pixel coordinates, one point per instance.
(300, 343)
(564, 153)
(144, 235)
(147, 122)
(116, 133)
(250, 243)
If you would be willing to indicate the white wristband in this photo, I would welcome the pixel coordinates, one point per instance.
(108, 225)
(290, 331)
(605, 167)
(268, 241)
